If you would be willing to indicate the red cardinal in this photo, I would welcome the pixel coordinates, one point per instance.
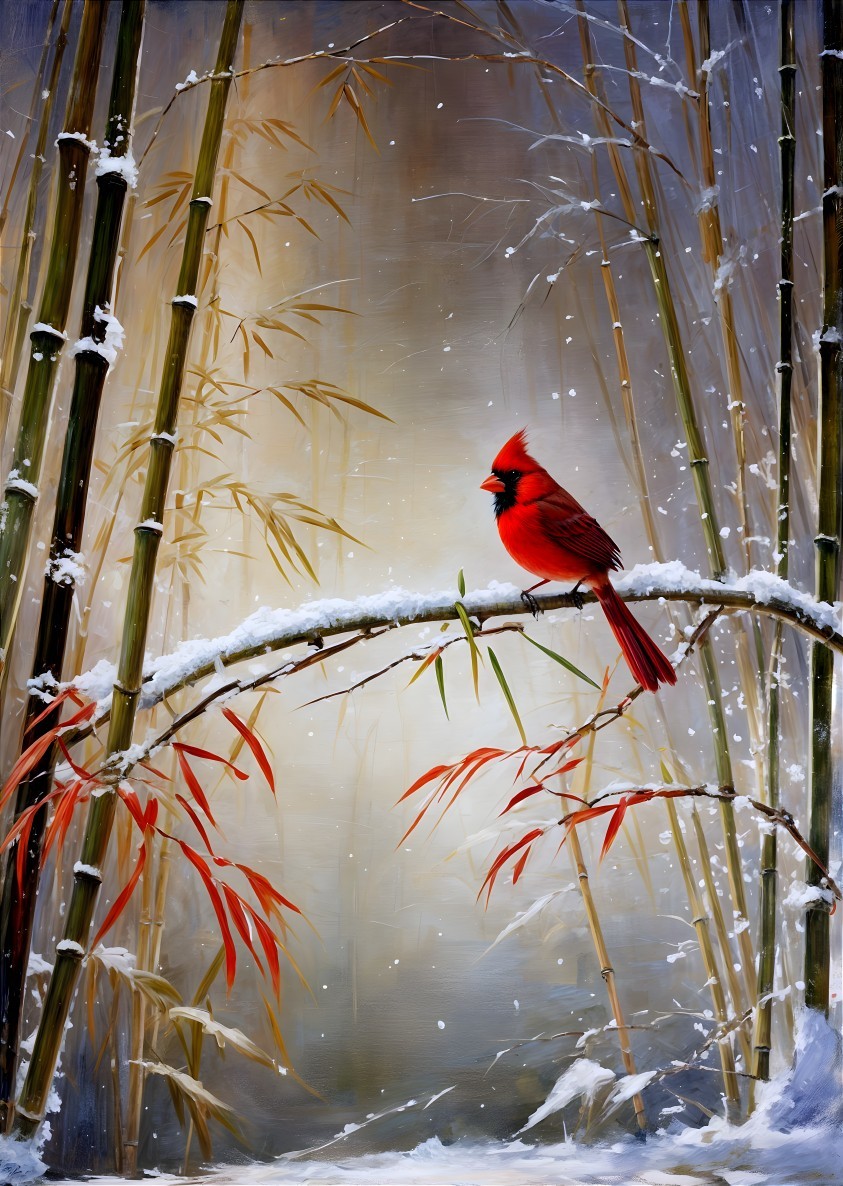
(546, 531)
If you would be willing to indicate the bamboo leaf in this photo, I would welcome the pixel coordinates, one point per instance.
(474, 652)
(440, 679)
(564, 662)
(496, 667)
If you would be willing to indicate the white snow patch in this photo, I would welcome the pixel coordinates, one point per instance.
(124, 166)
(43, 327)
(116, 959)
(191, 80)
(583, 1078)
(111, 345)
(16, 482)
(91, 145)
(67, 569)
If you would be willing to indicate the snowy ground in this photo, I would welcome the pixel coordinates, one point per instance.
(793, 1138)
(735, 1157)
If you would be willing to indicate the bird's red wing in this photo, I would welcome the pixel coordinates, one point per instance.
(569, 525)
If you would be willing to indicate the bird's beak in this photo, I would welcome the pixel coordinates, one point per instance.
(492, 484)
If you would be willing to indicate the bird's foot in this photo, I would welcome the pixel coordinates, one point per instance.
(577, 597)
(531, 603)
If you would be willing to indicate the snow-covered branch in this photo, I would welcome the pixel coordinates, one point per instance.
(269, 630)
(631, 796)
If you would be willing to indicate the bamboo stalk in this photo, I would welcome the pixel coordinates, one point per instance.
(606, 970)
(830, 516)
(19, 307)
(37, 96)
(730, 1081)
(762, 1035)
(185, 521)
(47, 335)
(711, 238)
(698, 460)
(19, 896)
(148, 532)
(700, 921)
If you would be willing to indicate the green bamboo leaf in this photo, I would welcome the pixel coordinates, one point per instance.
(475, 654)
(461, 583)
(440, 679)
(565, 663)
(665, 772)
(496, 667)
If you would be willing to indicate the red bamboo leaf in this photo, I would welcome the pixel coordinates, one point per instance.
(522, 861)
(197, 823)
(67, 694)
(565, 767)
(238, 917)
(431, 775)
(152, 770)
(614, 826)
(61, 819)
(30, 757)
(194, 784)
(502, 857)
(78, 770)
(254, 745)
(196, 752)
(216, 901)
(526, 793)
(123, 897)
(265, 891)
(132, 803)
(269, 943)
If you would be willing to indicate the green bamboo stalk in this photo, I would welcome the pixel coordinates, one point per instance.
(47, 335)
(70, 951)
(698, 460)
(91, 366)
(830, 517)
(19, 307)
(762, 1035)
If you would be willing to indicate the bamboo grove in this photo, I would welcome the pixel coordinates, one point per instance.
(103, 795)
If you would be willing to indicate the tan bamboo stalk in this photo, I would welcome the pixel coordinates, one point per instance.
(698, 460)
(606, 969)
(19, 307)
(700, 921)
(47, 335)
(19, 893)
(71, 949)
(762, 1035)
(37, 93)
(830, 517)
(711, 238)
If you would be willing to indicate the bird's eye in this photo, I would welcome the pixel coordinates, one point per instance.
(514, 474)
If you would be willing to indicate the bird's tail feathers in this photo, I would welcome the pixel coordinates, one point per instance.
(648, 664)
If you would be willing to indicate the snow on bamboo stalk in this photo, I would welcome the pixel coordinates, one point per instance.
(47, 335)
(70, 951)
(762, 1035)
(93, 354)
(19, 307)
(698, 460)
(830, 517)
